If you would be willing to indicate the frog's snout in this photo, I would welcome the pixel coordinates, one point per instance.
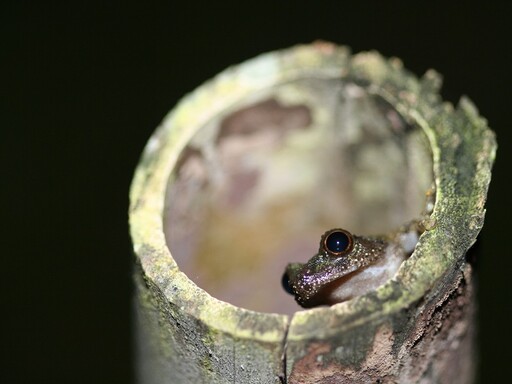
(285, 282)
(290, 276)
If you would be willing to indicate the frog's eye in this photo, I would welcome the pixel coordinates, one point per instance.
(337, 241)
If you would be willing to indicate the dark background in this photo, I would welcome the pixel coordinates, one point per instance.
(83, 85)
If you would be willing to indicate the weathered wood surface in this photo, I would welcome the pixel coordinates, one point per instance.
(418, 327)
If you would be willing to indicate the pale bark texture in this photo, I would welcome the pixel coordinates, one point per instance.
(213, 190)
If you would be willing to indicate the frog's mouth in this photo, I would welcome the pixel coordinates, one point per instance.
(330, 292)
(341, 289)
(312, 288)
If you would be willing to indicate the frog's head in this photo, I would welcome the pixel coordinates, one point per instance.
(340, 256)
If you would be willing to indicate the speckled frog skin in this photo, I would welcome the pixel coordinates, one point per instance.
(347, 265)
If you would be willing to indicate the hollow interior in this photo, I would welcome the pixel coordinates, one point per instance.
(257, 186)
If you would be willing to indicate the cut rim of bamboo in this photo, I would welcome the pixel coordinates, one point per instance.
(463, 150)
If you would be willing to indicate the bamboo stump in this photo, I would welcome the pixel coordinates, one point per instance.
(247, 172)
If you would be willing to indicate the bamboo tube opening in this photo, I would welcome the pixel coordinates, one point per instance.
(255, 186)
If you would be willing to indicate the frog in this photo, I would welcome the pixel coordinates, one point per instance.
(348, 265)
